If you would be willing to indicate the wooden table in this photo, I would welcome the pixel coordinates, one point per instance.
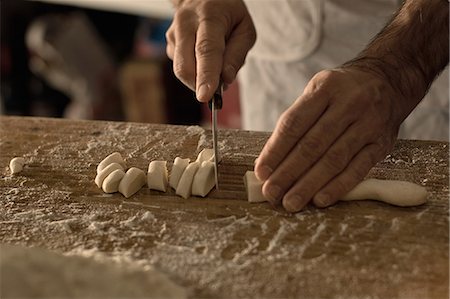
(222, 246)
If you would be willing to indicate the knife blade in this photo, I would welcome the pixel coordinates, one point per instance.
(215, 104)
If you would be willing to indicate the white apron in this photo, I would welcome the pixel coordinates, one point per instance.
(298, 38)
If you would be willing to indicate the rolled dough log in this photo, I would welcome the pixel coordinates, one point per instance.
(16, 164)
(112, 158)
(157, 176)
(133, 180)
(100, 177)
(184, 187)
(253, 187)
(398, 193)
(39, 273)
(179, 165)
(204, 179)
(111, 182)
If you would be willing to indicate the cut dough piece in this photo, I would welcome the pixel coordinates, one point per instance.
(105, 172)
(184, 187)
(253, 187)
(16, 164)
(112, 181)
(398, 193)
(207, 154)
(157, 176)
(179, 165)
(204, 179)
(132, 182)
(113, 158)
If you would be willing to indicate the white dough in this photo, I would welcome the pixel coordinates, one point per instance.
(157, 176)
(398, 193)
(204, 179)
(105, 172)
(112, 181)
(112, 158)
(253, 187)
(206, 154)
(16, 164)
(184, 187)
(179, 165)
(132, 182)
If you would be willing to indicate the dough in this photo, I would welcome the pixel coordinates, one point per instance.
(253, 187)
(38, 273)
(113, 158)
(204, 179)
(111, 182)
(133, 180)
(184, 187)
(157, 176)
(206, 154)
(179, 165)
(398, 193)
(105, 172)
(16, 164)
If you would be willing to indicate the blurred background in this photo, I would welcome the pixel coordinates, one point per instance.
(96, 59)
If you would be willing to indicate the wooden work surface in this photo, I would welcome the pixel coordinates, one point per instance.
(222, 246)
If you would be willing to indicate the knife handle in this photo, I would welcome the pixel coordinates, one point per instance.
(217, 98)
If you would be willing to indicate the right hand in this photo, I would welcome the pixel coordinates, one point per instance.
(209, 40)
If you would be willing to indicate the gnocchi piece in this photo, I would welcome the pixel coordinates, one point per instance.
(398, 193)
(207, 154)
(105, 172)
(184, 188)
(112, 158)
(16, 164)
(253, 187)
(133, 180)
(204, 179)
(112, 181)
(179, 165)
(157, 176)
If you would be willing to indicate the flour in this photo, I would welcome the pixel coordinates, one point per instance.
(33, 272)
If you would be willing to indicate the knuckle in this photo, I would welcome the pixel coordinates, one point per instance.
(288, 123)
(206, 47)
(182, 72)
(311, 148)
(337, 159)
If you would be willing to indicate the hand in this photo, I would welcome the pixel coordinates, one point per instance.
(207, 40)
(344, 123)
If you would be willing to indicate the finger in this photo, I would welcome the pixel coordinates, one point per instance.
(209, 50)
(170, 42)
(330, 165)
(237, 47)
(291, 126)
(311, 148)
(350, 177)
(184, 52)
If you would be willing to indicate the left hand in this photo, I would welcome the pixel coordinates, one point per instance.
(344, 123)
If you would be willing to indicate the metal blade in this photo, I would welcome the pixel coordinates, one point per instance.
(214, 135)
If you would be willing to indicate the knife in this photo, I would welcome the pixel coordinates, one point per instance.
(216, 104)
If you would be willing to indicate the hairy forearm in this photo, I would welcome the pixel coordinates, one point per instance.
(412, 49)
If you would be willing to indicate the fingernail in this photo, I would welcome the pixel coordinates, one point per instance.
(202, 91)
(293, 203)
(264, 172)
(274, 193)
(322, 200)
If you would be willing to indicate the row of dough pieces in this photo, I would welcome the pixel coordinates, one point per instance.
(197, 178)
